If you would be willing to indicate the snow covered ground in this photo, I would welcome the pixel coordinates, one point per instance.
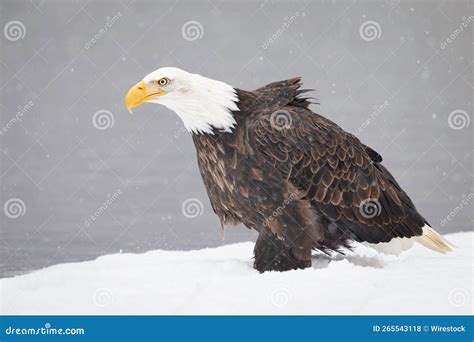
(222, 281)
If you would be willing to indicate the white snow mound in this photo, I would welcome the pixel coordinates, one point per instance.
(222, 281)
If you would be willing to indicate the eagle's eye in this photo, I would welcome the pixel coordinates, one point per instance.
(163, 81)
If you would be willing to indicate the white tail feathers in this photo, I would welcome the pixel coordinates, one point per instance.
(434, 241)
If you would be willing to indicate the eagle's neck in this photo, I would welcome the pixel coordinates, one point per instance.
(206, 106)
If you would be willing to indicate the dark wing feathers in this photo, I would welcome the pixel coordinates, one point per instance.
(341, 177)
(373, 154)
(282, 93)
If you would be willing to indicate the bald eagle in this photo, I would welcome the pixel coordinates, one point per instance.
(297, 178)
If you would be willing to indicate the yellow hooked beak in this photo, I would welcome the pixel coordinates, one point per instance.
(139, 94)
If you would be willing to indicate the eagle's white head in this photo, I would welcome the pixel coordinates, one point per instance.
(202, 103)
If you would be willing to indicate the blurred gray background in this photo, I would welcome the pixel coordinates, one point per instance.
(398, 74)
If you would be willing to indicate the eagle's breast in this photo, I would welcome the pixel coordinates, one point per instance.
(223, 161)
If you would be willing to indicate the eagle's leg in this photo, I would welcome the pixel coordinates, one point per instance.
(273, 254)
